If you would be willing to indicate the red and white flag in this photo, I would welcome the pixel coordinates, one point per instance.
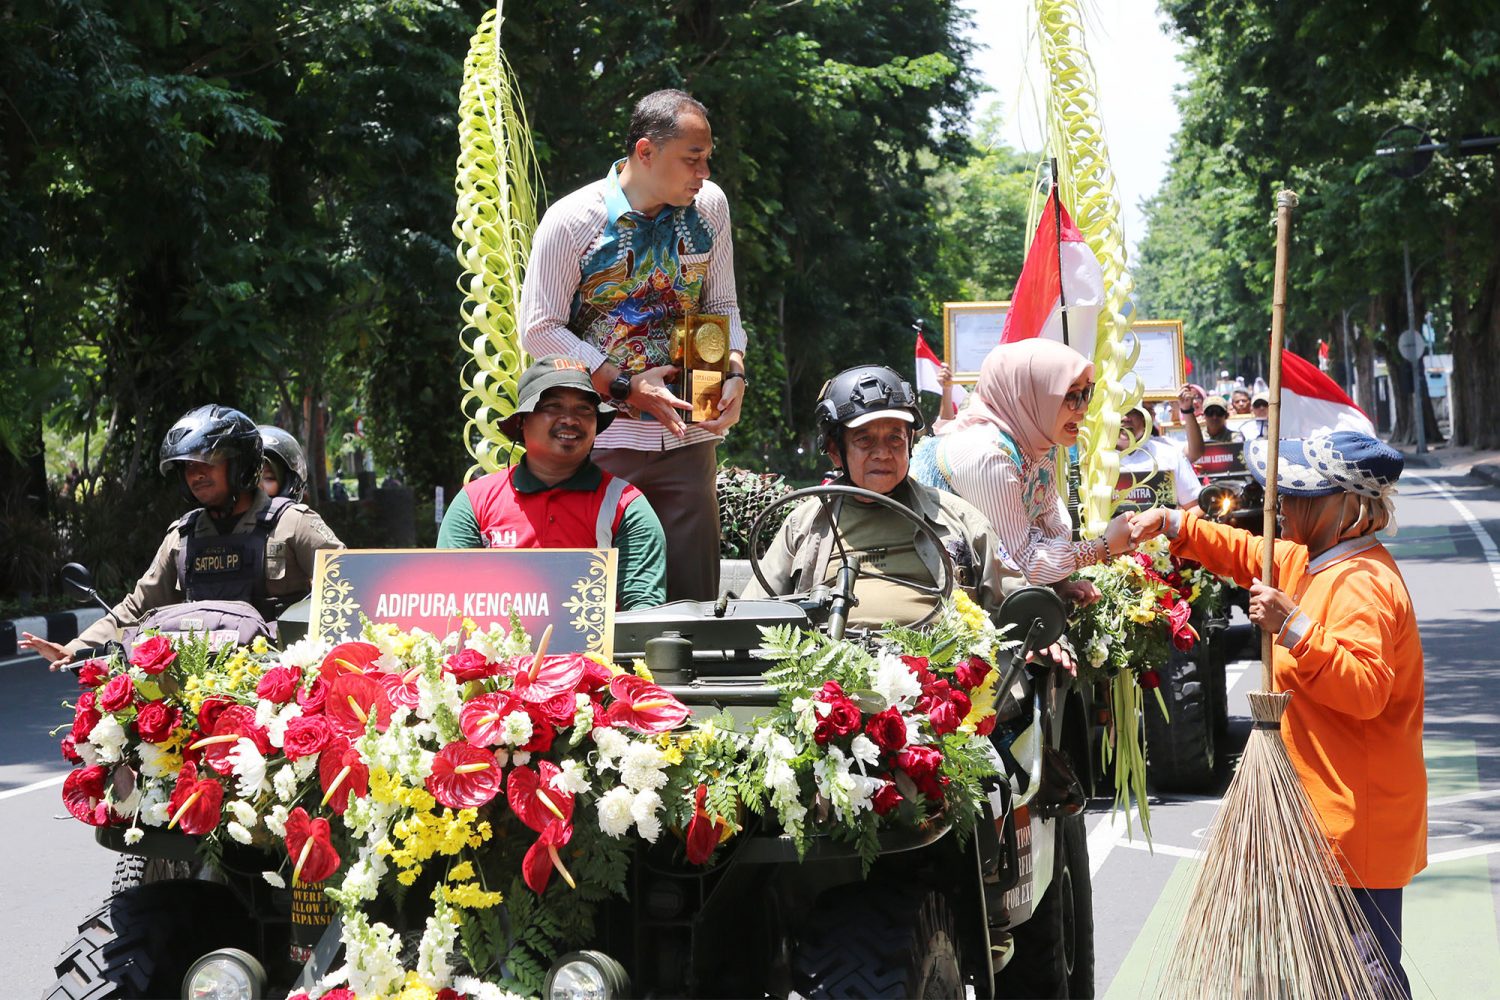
(1060, 268)
(927, 373)
(1312, 403)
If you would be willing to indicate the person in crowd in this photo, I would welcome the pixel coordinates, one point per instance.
(614, 267)
(1260, 415)
(1215, 426)
(240, 544)
(284, 470)
(1143, 450)
(998, 455)
(1239, 401)
(1346, 646)
(867, 418)
(555, 497)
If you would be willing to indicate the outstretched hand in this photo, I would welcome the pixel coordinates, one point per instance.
(1147, 524)
(53, 652)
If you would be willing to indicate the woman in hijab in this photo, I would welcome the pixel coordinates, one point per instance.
(1346, 646)
(998, 455)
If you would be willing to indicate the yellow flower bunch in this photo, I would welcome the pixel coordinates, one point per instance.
(412, 988)
(672, 747)
(425, 833)
(642, 671)
(471, 897)
(388, 636)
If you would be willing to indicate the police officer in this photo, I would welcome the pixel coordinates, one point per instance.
(238, 545)
(867, 418)
(284, 471)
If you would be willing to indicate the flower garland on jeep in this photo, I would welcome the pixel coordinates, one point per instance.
(424, 782)
(1147, 601)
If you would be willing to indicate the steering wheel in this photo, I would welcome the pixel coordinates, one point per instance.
(832, 497)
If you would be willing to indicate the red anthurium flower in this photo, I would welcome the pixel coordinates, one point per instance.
(352, 699)
(470, 665)
(1149, 679)
(92, 673)
(195, 802)
(348, 658)
(309, 843)
(153, 655)
(542, 857)
(643, 706)
(596, 676)
(464, 776)
(401, 689)
(83, 795)
(343, 775)
(1183, 633)
(534, 799)
(703, 830)
(233, 724)
(482, 718)
(540, 679)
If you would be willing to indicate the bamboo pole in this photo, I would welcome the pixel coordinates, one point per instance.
(1285, 202)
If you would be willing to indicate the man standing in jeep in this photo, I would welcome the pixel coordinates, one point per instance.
(239, 545)
(555, 497)
(867, 418)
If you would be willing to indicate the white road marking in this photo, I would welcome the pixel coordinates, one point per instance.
(35, 786)
(1486, 543)
(1173, 851)
(1103, 838)
(1169, 850)
(1488, 793)
(1463, 852)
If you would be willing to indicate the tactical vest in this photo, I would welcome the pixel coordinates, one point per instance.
(550, 519)
(231, 567)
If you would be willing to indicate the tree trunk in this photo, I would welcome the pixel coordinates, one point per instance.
(1476, 338)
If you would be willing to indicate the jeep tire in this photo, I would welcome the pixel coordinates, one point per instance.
(1054, 954)
(1182, 751)
(881, 940)
(141, 941)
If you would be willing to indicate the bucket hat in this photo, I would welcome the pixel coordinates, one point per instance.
(554, 371)
(1324, 464)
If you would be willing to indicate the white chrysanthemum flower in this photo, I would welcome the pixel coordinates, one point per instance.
(303, 767)
(156, 762)
(913, 729)
(274, 879)
(476, 990)
(129, 804)
(615, 811)
(284, 783)
(893, 681)
(243, 812)
(108, 738)
(305, 653)
(644, 809)
(612, 745)
(642, 767)
(238, 832)
(862, 793)
(154, 800)
(572, 778)
(516, 729)
(865, 751)
(248, 767)
(134, 835)
(276, 820)
(90, 756)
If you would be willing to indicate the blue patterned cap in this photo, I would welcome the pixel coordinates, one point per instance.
(1324, 464)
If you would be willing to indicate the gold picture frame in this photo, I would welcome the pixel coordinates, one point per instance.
(970, 331)
(1161, 366)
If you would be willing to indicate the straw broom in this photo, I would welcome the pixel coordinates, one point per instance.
(1270, 914)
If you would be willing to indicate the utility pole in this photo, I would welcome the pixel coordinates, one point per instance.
(1415, 357)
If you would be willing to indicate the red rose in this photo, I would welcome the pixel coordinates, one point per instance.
(313, 699)
(543, 732)
(309, 842)
(156, 720)
(945, 717)
(118, 694)
(70, 750)
(306, 735)
(470, 665)
(985, 726)
(920, 762)
(342, 993)
(153, 655)
(92, 673)
(842, 716)
(971, 673)
(85, 717)
(279, 684)
(886, 799)
(1150, 679)
(887, 730)
(209, 711)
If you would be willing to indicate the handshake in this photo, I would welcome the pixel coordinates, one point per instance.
(1127, 531)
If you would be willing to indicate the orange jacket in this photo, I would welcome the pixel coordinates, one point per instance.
(1354, 724)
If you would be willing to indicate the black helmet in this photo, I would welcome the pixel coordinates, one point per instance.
(858, 395)
(277, 444)
(214, 430)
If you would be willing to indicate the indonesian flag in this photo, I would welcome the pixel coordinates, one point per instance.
(1049, 278)
(1312, 403)
(927, 373)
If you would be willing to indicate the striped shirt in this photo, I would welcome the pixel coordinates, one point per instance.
(1020, 501)
(606, 283)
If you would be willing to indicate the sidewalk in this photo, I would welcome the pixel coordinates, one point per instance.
(58, 626)
(1480, 464)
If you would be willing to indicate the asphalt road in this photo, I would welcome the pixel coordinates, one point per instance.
(55, 873)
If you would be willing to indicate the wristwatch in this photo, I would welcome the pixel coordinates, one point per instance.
(738, 375)
(619, 388)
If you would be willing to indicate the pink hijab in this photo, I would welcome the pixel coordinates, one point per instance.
(1020, 389)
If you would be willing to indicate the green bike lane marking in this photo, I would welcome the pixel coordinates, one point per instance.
(1451, 939)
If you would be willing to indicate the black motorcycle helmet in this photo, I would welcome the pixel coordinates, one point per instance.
(209, 431)
(869, 391)
(283, 451)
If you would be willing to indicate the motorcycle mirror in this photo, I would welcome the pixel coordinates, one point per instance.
(1034, 613)
(78, 580)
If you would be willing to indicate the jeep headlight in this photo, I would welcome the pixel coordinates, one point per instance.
(586, 975)
(226, 974)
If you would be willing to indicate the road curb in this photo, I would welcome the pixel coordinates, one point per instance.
(59, 626)
(1487, 471)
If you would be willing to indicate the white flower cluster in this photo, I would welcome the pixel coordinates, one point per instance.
(777, 752)
(636, 802)
(305, 653)
(474, 989)
(1098, 650)
(894, 681)
(373, 952)
(497, 642)
(438, 938)
(249, 768)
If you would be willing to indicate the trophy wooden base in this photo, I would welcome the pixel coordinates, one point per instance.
(703, 388)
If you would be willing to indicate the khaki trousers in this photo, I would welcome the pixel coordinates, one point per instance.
(680, 486)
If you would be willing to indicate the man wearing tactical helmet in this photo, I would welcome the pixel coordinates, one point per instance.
(284, 471)
(867, 418)
(238, 545)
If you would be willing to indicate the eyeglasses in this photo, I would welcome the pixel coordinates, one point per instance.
(1079, 399)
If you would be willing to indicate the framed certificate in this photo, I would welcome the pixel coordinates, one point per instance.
(1159, 366)
(970, 331)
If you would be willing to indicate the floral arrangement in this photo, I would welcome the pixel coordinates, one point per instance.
(467, 803)
(1145, 610)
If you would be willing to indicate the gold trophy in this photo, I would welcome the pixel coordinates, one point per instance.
(700, 348)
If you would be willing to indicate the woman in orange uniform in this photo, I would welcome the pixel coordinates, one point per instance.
(1346, 647)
